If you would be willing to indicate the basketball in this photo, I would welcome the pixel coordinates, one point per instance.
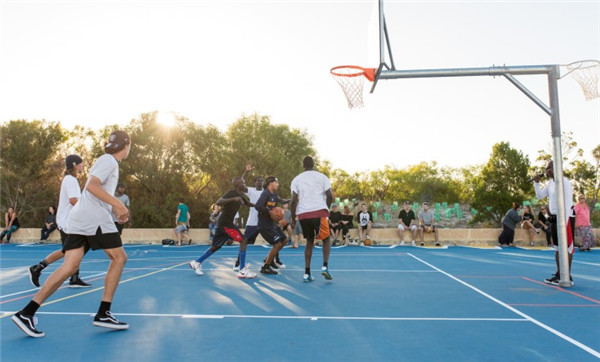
(276, 213)
(368, 242)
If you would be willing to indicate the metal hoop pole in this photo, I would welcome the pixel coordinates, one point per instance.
(561, 215)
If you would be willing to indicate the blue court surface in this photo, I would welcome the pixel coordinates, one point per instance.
(383, 304)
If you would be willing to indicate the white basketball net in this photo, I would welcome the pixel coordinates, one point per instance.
(586, 73)
(351, 80)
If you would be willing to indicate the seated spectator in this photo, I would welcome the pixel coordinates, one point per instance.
(527, 224)
(212, 219)
(583, 227)
(182, 222)
(406, 221)
(49, 224)
(365, 222)
(346, 223)
(544, 224)
(11, 224)
(509, 222)
(427, 225)
(335, 223)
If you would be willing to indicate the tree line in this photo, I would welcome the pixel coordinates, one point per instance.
(197, 162)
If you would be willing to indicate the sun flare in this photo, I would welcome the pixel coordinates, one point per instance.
(167, 119)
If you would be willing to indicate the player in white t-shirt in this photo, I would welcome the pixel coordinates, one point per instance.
(69, 195)
(311, 195)
(90, 226)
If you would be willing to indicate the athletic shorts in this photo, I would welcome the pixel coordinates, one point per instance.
(273, 235)
(119, 227)
(315, 228)
(413, 227)
(364, 226)
(94, 242)
(570, 233)
(181, 228)
(224, 234)
(423, 227)
(250, 233)
(63, 236)
(335, 228)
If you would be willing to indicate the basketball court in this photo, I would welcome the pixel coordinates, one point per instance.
(384, 303)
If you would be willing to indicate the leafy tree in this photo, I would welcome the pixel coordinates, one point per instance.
(502, 180)
(30, 167)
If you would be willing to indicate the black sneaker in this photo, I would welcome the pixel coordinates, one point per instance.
(34, 275)
(267, 269)
(279, 264)
(554, 280)
(27, 324)
(78, 283)
(108, 321)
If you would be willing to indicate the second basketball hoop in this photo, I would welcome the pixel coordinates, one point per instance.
(351, 78)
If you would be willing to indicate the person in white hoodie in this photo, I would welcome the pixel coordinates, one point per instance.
(550, 192)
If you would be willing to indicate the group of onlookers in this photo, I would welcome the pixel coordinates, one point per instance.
(579, 220)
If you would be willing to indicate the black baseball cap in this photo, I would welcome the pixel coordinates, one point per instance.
(72, 161)
(117, 141)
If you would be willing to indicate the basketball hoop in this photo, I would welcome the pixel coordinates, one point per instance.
(350, 78)
(585, 72)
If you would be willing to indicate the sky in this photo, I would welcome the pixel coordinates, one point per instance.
(95, 63)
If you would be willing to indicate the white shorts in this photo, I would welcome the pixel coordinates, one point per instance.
(413, 227)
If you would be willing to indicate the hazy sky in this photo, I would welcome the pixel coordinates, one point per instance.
(101, 62)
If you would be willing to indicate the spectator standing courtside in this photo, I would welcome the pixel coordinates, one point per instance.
(182, 222)
(49, 224)
(583, 226)
(121, 196)
(407, 221)
(550, 192)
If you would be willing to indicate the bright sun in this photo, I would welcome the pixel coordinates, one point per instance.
(166, 118)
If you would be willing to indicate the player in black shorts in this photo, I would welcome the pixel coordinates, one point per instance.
(226, 230)
(90, 226)
(269, 230)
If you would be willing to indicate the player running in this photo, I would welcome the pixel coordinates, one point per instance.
(226, 230)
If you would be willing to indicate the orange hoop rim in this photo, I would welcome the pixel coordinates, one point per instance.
(369, 73)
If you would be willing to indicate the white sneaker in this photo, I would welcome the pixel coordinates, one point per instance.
(367, 237)
(236, 268)
(412, 243)
(246, 274)
(402, 243)
(197, 267)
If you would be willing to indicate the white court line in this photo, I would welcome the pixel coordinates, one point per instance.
(34, 289)
(187, 269)
(514, 310)
(314, 318)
